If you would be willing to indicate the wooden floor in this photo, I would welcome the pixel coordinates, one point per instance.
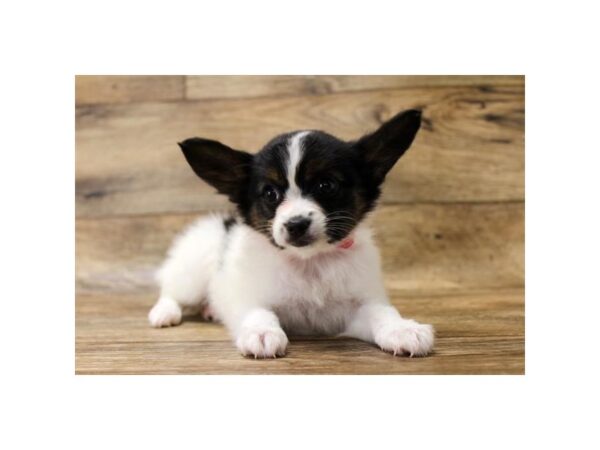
(450, 226)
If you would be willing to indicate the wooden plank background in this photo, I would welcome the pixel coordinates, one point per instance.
(450, 224)
(470, 148)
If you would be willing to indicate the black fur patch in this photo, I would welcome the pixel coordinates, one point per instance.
(220, 166)
(268, 169)
(229, 222)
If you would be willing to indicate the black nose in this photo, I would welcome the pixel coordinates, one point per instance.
(297, 226)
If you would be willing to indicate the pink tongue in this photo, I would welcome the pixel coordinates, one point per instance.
(346, 243)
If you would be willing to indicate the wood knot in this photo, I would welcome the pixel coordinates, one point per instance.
(381, 113)
(427, 123)
(318, 86)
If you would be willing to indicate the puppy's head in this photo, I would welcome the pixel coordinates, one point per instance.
(306, 190)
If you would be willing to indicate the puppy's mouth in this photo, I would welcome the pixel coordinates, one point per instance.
(302, 241)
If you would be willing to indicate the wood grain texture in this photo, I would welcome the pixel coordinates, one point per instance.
(470, 147)
(253, 86)
(100, 89)
(477, 333)
(424, 246)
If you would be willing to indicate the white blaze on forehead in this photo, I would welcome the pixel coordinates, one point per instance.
(294, 156)
(294, 204)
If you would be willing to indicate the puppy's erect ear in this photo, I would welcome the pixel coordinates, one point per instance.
(222, 167)
(385, 146)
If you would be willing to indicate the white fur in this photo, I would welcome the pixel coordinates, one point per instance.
(261, 335)
(295, 151)
(166, 312)
(185, 275)
(258, 290)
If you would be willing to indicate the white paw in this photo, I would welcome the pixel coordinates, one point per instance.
(406, 337)
(262, 342)
(165, 313)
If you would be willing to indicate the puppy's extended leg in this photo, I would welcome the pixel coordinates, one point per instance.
(383, 325)
(187, 271)
(260, 335)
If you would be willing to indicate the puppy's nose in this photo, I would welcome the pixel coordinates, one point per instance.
(297, 226)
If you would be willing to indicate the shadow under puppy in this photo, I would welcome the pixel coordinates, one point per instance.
(297, 257)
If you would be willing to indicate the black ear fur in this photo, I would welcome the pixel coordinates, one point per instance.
(385, 146)
(222, 167)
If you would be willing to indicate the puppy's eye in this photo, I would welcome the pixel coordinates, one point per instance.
(270, 194)
(327, 187)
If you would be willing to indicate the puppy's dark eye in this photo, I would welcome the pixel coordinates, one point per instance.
(270, 194)
(327, 187)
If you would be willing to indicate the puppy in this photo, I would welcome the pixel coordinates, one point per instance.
(297, 256)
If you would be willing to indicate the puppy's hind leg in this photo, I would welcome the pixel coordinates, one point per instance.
(186, 273)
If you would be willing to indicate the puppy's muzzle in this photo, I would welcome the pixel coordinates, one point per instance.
(297, 231)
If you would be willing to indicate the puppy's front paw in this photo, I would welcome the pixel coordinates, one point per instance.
(165, 313)
(407, 337)
(262, 342)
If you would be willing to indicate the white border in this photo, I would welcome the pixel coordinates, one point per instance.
(46, 43)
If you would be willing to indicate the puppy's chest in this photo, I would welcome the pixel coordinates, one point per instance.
(314, 297)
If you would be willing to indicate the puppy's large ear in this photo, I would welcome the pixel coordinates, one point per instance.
(222, 167)
(385, 146)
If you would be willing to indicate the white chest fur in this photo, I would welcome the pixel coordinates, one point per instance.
(316, 295)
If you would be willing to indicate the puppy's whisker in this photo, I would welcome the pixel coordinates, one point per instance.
(340, 231)
(340, 222)
(351, 218)
(339, 217)
(344, 230)
(341, 213)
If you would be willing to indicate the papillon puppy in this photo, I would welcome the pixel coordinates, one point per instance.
(297, 257)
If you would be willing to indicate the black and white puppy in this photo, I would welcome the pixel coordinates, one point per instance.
(297, 258)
